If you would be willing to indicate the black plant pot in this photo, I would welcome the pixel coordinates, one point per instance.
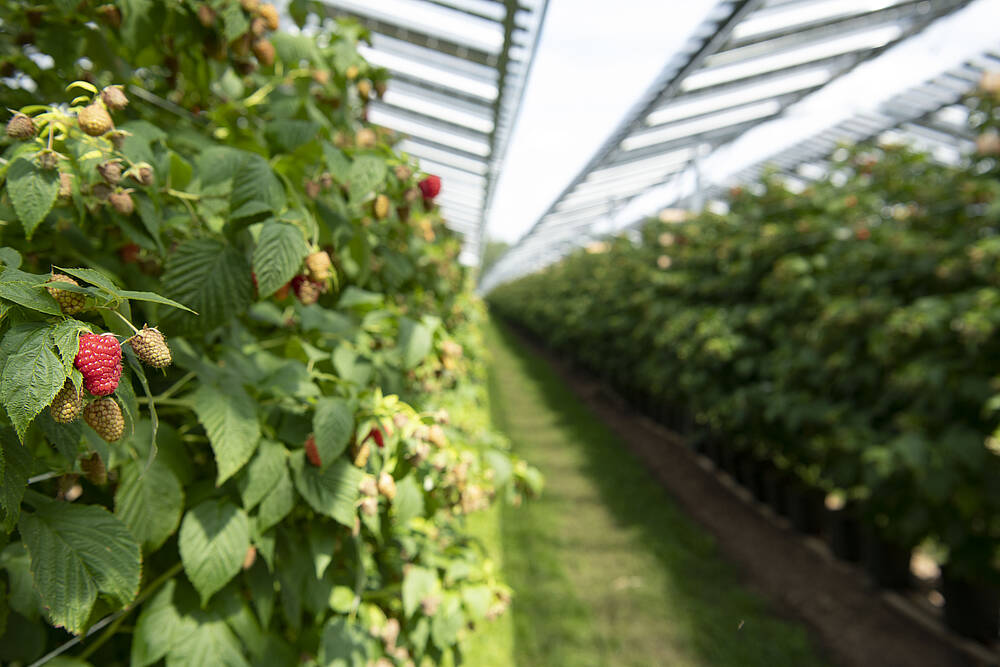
(805, 507)
(971, 609)
(776, 489)
(751, 475)
(844, 534)
(886, 562)
(713, 450)
(732, 461)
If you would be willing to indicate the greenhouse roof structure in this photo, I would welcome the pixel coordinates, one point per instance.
(745, 64)
(458, 70)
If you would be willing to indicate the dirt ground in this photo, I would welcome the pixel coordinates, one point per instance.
(855, 622)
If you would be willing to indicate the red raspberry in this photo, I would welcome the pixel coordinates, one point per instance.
(311, 452)
(430, 186)
(376, 434)
(100, 360)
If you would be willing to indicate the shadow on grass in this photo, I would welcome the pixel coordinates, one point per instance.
(607, 569)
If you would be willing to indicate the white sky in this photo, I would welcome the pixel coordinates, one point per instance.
(594, 60)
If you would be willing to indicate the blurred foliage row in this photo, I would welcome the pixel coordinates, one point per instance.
(847, 332)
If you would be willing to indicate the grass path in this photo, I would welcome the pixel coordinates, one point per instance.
(606, 568)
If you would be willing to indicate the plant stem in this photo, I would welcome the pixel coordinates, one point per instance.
(174, 387)
(44, 476)
(125, 320)
(123, 614)
(114, 619)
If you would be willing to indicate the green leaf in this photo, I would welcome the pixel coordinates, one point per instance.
(337, 163)
(332, 492)
(257, 479)
(24, 289)
(355, 297)
(350, 366)
(154, 298)
(415, 341)
(160, 625)
(256, 190)
(409, 500)
(66, 335)
(32, 191)
(32, 376)
(261, 585)
(23, 597)
(234, 22)
(211, 642)
(277, 257)
(76, 551)
(333, 424)
(278, 502)
(212, 278)
(15, 468)
(366, 175)
(418, 583)
(213, 542)
(342, 644)
(230, 419)
(287, 135)
(139, 27)
(94, 277)
(10, 258)
(447, 622)
(477, 599)
(149, 502)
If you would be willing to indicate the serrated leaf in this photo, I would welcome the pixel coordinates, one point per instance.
(333, 424)
(415, 341)
(332, 492)
(76, 551)
(154, 298)
(160, 625)
(256, 190)
(366, 175)
(278, 502)
(66, 335)
(32, 376)
(418, 583)
(213, 541)
(32, 191)
(230, 420)
(257, 479)
(14, 472)
(277, 257)
(342, 644)
(149, 501)
(212, 278)
(24, 289)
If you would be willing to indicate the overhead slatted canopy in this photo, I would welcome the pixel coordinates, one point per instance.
(458, 73)
(746, 63)
(930, 117)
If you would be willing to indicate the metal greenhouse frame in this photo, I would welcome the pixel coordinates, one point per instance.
(746, 64)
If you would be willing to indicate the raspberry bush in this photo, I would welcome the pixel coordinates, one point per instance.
(240, 372)
(847, 333)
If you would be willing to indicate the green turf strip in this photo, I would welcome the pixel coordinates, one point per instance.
(607, 569)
